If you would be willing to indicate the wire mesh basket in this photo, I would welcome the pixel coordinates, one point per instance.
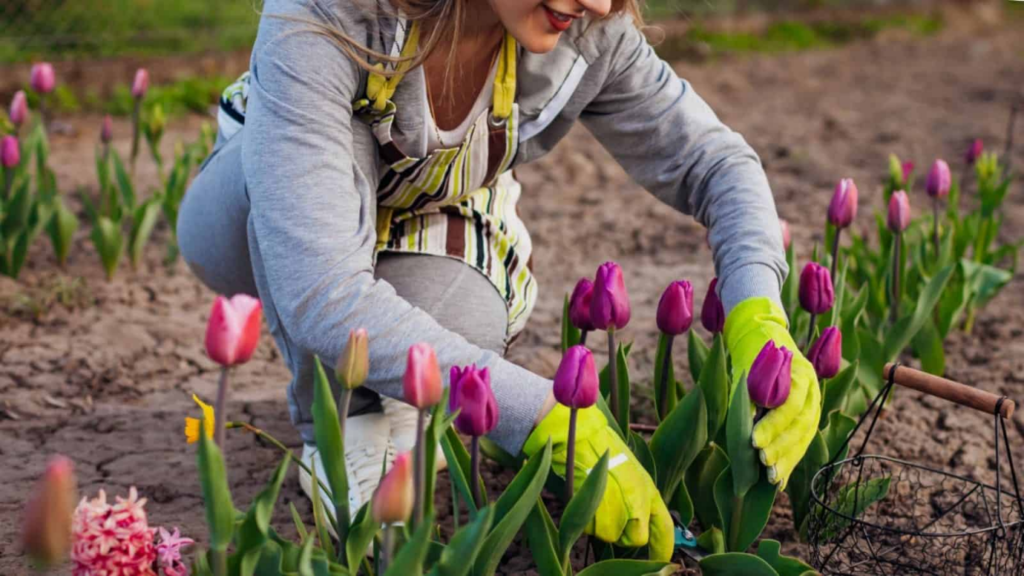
(876, 515)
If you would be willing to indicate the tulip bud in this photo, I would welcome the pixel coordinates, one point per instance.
(899, 212)
(19, 108)
(10, 152)
(42, 78)
(826, 353)
(141, 83)
(393, 499)
(354, 363)
(471, 394)
(107, 131)
(233, 330)
(421, 384)
(712, 313)
(787, 237)
(157, 122)
(939, 180)
(769, 380)
(843, 208)
(48, 515)
(908, 170)
(974, 152)
(816, 292)
(576, 382)
(675, 309)
(579, 305)
(609, 306)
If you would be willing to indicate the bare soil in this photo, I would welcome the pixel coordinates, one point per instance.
(103, 371)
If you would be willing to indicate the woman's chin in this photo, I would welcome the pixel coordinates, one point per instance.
(538, 43)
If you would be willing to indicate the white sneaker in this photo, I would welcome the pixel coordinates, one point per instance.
(366, 446)
(402, 418)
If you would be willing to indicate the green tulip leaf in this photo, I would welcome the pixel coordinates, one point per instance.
(319, 521)
(853, 500)
(457, 557)
(638, 446)
(124, 181)
(439, 422)
(700, 483)
(570, 334)
(360, 535)
(682, 504)
(836, 390)
(799, 486)
(458, 459)
(253, 531)
(712, 541)
(330, 442)
(297, 521)
(790, 299)
(498, 454)
(678, 440)
(629, 568)
(771, 552)
(839, 428)
(62, 228)
(739, 430)
(735, 564)
(927, 344)
(743, 518)
(542, 535)
(409, 559)
(213, 478)
(697, 352)
(664, 386)
(144, 221)
(580, 510)
(900, 336)
(18, 254)
(714, 382)
(109, 242)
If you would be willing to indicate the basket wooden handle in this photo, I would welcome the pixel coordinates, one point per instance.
(961, 394)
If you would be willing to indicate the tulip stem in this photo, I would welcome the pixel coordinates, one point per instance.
(419, 465)
(810, 332)
(935, 228)
(583, 337)
(570, 455)
(222, 399)
(835, 253)
(136, 117)
(386, 549)
(613, 373)
(894, 308)
(220, 562)
(8, 183)
(343, 407)
(474, 467)
(663, 390)
(455, 508)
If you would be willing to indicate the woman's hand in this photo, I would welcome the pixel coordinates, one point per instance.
(785, 433)
(631, 512)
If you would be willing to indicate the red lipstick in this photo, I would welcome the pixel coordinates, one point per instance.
(560, 22)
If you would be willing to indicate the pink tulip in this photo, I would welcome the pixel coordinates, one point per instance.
(107, 131)
(233, 330)
(816, 292)
(609, 307)
(939, 180)
(974, 152)
(579, 305)
(576, 383)
(392, 502)
(10, 152)
(899, 212)
(471, 394)
(842, 210)
(141, 83)
(908, 170)
(48, 514)
(675, 309)
(827, 353)
(19, 108)
(770, 378)
(421, 384)
(712, 314)
(787, 238)
(42, 78)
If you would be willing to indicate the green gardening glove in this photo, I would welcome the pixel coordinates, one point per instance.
(631, 512)
(784, 434)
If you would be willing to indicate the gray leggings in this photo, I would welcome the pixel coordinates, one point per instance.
(214, 241)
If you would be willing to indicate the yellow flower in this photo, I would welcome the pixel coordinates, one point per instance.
(192, 424)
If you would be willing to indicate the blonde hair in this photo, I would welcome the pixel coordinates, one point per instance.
(449, 17)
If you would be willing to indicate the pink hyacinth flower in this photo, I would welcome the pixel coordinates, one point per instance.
(112, 539)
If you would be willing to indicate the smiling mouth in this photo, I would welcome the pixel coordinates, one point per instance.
(559, 21)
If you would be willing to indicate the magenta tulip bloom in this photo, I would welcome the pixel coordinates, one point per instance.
(609, 306)
(974, 152)
(421, 384)
(576, 382)
(579, 305)
(843, 208)
(471, 394)
(19, 108)
(770, 378)
(816, 292)
(675, 309)
(899, 212)
(141, 83)
(42, 78)
(827, 353)
(939, 180)
(107, 131)
(787, 238)
(712, 314)
(908, 171)
(10, 152)
(233, 330)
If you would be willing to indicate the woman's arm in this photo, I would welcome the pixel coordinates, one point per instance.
(671, 142)
(311, 178)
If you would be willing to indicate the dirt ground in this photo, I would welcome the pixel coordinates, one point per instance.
(107, 381)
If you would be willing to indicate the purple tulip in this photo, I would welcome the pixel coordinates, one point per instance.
(10, 153)
(42, 78)
(107, 132)
(827, 353)
(770, 378)
(899, 212)
(675, 310)
(576, 383)
(816, 293)
(939, 180)
(843, 208)
(908, 170)
(471, 394)
(787, 237)
(609, 307)
(141, 83)
(19, 108)
(974, 152)
(712, 313)
(579, 305)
